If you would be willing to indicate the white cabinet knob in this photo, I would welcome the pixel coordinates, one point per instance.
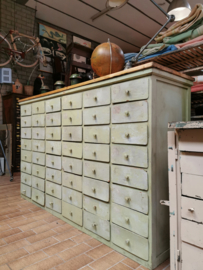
(127, 220)
(94, 225)
(36, 197)
(94, 153)
(94, 116)
(71, 166)
(71, 213)
(71, 150)
(127, 135)
(127, 92)
(95, 136)
(25, 180)
(51, 203)
(52, 176)
(127, 177)
(95, 207)
(94, 171)
(127, 113)
(93, 189)
(127, 199)
(191, 210)
(37, 184)
(37, 172)
(126, 156)
(71, 103)
(95, 98)
(127, 241)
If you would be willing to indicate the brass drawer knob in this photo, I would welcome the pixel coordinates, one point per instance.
(52, 162)
(71, 103)
(25, 180)
(94, 225)
(71, 166)
(71, 150)
(52, 106)
(25, 122)
(127, 135)
(70, 134)
(24, 110)
(25, 133)
(126, 156)
(94, 171)
(127, 199)
(127, 113)
(94, 116)
(95, 98)
(24, 191)
(52, 148)
(51, 203)
(36, 197)
(37, 184)
(25, 157)
(37, 158)
(52, 120)
(25, 145)
(37, 172)
(52, 176)
(37, 146)
(93, 189)
(127, 220)
(127, 241)
(71, 182)
(24, 168)
(37, 134)
(37, 108)
(52, 134)
(95, 136)
(191, 210)
(95, 207)
(128, 178)
(52, 190)
(70, 119)
(37, 121)
(70, 198)
(71, 213)
(127, 92)
(94, 153)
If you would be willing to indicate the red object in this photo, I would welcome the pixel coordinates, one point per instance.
(197, 88)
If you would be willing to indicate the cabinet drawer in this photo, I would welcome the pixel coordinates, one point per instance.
(96, 116)
(38, 196)
(26, 167)
(129, 155)
(131, 90)
(26, 110)
(72, 134)
(98, 152)
(192, 185)
(97, 134)
(38, 146)
(53, 190)
(38, 107)
(131, 242)
(38, 171)
(38, 183)
(95, 188)
(53, 119)
(38, 120)
(26, 190)
(192, 257)
(97, 225)
(72, 149)
(73, 197)
(72, 118)
(72, 181)
(97, 97)
(130, 112)
(53, 203)
(53, 148)
(26, 179)
(192, 209)
(38, 158)
(72, 213)
(72, 165)
(26, 156)
(131, 198)
(38, 133)
(130, 219)
(192, 233)
(70, 102)
(53, 105)
(26, 144)
(53, 175)
(26, 121)
(97, 170)
(132, 177)
(26, 133)
(96, 207)
(53, 162)
(53, 134)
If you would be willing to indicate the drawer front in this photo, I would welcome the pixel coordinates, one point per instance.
(53, 134)
(38, 196)
(96, 116)
(26, 133)
(53, 175)
(38, 120)
(192, 233)
(53, 148)
(72, 149)
(26, 179)
(38, 146)
(97, 225)
(70, 102)
(38, 133)
(38, 107)
(53, 119)
(192, 185)
(129, 155)
(130, 219)
(53, 105)
(96, 207)
(96, 189)
(72, 181)
(97, 152)
(72, 165)
(72, 213)
(72, 118)
(26, 167)
(53, 162)
(131, 90)
(26, 190)
(26, 110)
(38, 158)
(97, 170)
(53, 190)
(131, 177)
(97, 134)
(73, 197)
(192, 257)
(131, 198)
(97, 97)
(131, 242)
(72, 134)
(192, 209)
(26, 121)
(26, 144)
(38, 171)
(38, 183)
(26, 156)
(53, 203)
(130, 112)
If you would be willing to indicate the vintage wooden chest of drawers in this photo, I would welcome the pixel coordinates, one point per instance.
(100, 160)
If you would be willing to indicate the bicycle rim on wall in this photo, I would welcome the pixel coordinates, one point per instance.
(5, 57)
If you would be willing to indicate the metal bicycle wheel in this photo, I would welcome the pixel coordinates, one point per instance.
(5, 57)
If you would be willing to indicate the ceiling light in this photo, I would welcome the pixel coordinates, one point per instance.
(180, 9)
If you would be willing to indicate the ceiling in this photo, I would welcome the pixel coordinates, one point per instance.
(130, 27)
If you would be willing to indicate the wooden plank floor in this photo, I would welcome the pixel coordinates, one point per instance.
(32, 239)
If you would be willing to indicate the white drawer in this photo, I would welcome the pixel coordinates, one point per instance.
(130, 112)
(53, 203)
(53, 134)
(192, 209)
(53, 148)
(26, 190)
(53, 175)
(97, 97)
(53, 162)
(72, 181)
(38, 196)
(38, 171)
(38, 183)
(129, 155)
(26, 133)
(54, 190)
(38, 107)
(130, 90)
(96, 207)
(38, 158)
(96, 116)
(26, 179)
(97, 152)
(26, 167)
(192, 233)
(26, 121)
(72, 134)
(72, 118)
(131, 198)
(53, 119)
(38, 120)
(97, 134)
(38, 146)
(97, 170)
(72, 165)
(53, 105)
(26, 156)
(73, 197)
(192, 257)
(38, 133)
(26, 144)
(97, 225)
(73, 101)
(72, 149)
(72, 213)
(26, 110)
(96, 189)
(192, 185)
